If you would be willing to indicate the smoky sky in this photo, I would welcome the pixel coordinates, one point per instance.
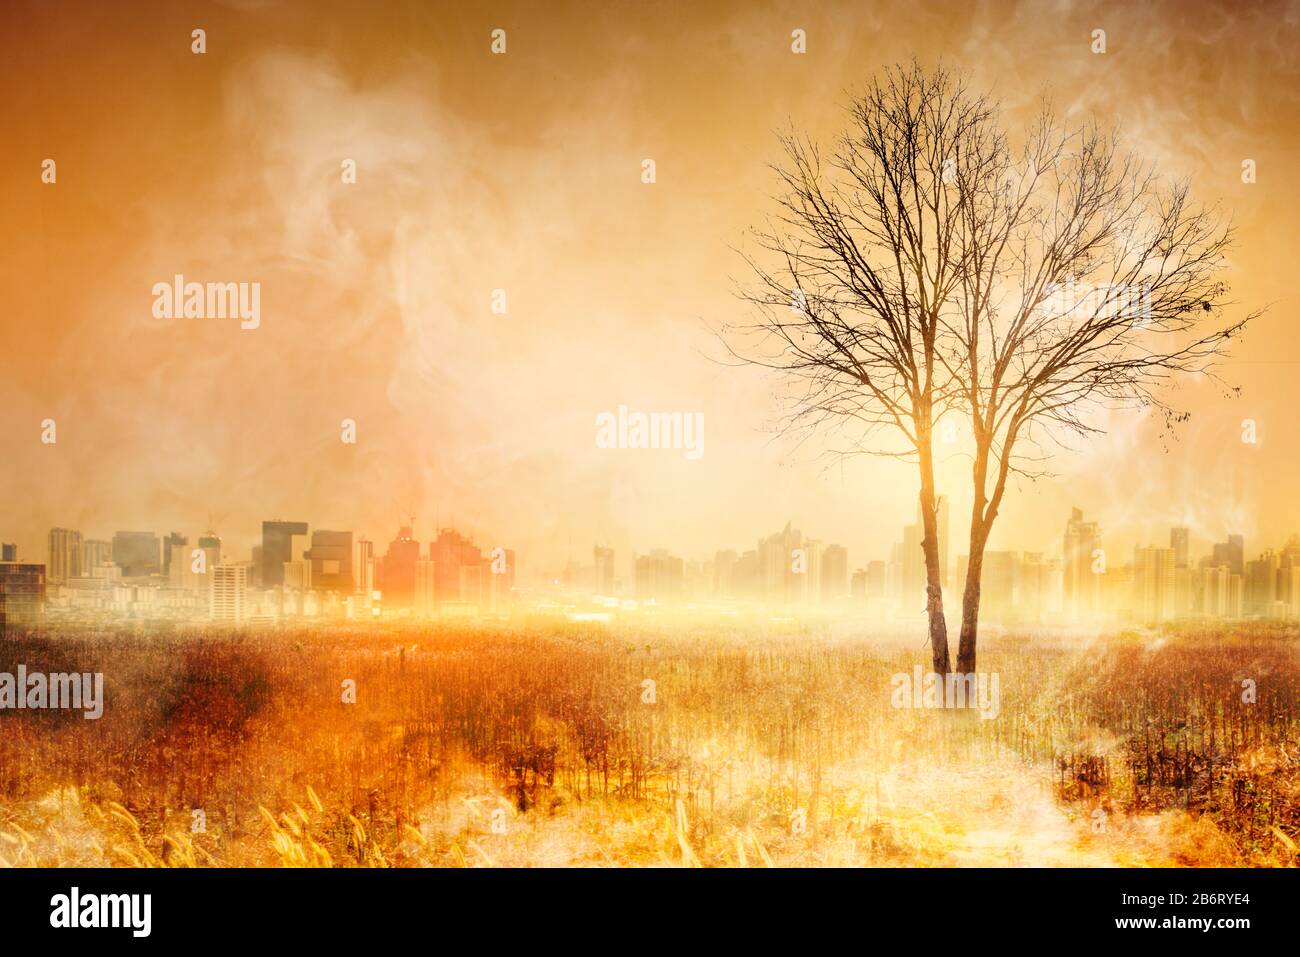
(522, 172)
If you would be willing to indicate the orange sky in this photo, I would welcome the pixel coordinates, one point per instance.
(522, 172)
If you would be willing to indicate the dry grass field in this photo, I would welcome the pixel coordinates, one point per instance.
(551, 743)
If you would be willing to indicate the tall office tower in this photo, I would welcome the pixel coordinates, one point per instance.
(363, 566)
(746, 578)
(776, 580)
(473, 586)
(425, 602)
(877, 581)
(278, 548)
(399, 569)
(180, 565)
(1235, 607)
(64, 555)
(228, 593)
(1081, 584)
(22, 593)
(858, 585)
(199, 570)
(331, 561)
(168, 544)
(1154, 599)
(1214, 591)
(604, 559)
(835, 573)
(8, 552)
(95, 553)
(1231, 553)
(1179, 538)
(1261, 585)
(136, 553)
(1185, 584)
(297, 576)
(998, 583)
(1033, 587)
(450, 553)
(806, 580)
(659, 576)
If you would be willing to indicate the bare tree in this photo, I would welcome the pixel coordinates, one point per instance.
(852, 275)
(1087, 282)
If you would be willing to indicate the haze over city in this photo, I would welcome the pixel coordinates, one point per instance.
(473, 176)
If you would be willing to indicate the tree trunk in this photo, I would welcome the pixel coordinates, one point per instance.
(970, 604)
(933, 574)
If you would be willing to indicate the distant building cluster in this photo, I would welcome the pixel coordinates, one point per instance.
(292, 573)
(297, 572)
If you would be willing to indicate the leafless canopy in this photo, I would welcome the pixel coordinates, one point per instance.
(853, 271)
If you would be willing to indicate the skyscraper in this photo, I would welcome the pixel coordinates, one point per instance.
(1081, 582)
(659, 576)
(228, 593)
(22, 594)
(1178, 541)
(331, 561)
(398, 583)
(835, 573)
(1231, 553)
(277, 548)
(451, 554)
(168, 546)
(64, 560)
(1153, 584)
(363, 567)
(136, 553)
(95, 553)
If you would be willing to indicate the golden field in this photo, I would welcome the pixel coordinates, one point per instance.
(540, 743)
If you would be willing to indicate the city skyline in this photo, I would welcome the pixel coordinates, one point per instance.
(298, 571)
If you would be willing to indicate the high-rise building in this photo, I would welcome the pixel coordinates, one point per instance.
(136, 553)
(398, 585)
(659, 576)
(426, 589)
(835, 573)
(1179, 539)
(64, 559)
(1154, 598)
(604, 560)
(1261, 581)
(331, 561)
(363, 567)
(228, 593)
(1231, 553)
(278, 548)
(1033, 587)
(168, 547)
(95, 553)
(1082, 584)
(297, 576)
(22, 593)
(451, 552)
